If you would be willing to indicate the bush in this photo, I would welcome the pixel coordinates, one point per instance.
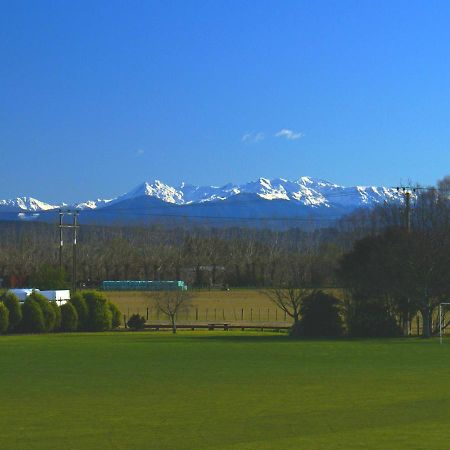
(80, 305)
(57, 311)
(33, 317)
(371, 319)
(116, 315)
(136, 322)
(15, 310)
(47, 310)
(4, 319)
(69, 317)
(320, 316)
(100, 316)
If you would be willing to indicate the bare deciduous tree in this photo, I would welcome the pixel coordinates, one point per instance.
(288, 299)
(172, 302)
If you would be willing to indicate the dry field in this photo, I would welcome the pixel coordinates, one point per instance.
(236, 305)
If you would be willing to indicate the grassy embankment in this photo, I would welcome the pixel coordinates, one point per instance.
(209, 390)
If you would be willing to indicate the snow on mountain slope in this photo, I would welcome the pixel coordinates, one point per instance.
(306, 191)
(25, 204)
(156, 189)
(92, 204)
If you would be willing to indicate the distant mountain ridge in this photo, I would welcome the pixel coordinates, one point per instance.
(263, 197)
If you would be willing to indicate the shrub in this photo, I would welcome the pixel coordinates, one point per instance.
(320, 316)
(15, 310)
(47, 310)
(80, 305)
(100, 316)
(57, 311)
(33, 317)
(136, 322)
(116, 315)
(69, 317)
(371, 319)
(4, 319)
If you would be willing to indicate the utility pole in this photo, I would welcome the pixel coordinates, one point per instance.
(407, 195)
(408, 210)
(406, 191)
(74, 252)
(61, 215)
(75, 227)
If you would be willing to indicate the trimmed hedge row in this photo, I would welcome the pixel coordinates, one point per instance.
(87, 311)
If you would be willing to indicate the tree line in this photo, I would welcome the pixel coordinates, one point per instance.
(202, 257)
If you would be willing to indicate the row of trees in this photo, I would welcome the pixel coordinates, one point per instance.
(202, 257)
(88, 311)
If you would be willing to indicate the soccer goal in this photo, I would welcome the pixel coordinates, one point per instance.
(442, 324)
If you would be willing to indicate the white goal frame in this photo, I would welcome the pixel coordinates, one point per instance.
(441, 330)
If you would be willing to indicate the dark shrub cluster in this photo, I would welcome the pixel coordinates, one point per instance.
(69, 317)
(15, 312)
(320, 317)
(371, 319)
(86, 311)
(33, 320)
(136, 322)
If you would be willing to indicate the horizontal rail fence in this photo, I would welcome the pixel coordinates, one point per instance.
(209, 315)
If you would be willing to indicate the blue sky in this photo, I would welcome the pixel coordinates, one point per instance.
(96, 97)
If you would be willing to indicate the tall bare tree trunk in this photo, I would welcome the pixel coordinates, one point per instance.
(426, 321)
(174, 325)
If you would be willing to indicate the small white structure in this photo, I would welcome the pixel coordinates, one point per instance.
(60, 296)
(22, 294)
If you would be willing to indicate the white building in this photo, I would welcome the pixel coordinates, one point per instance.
(60, 296)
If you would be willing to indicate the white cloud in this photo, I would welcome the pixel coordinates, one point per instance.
(252, 138)
(289, 134)
(139, 152)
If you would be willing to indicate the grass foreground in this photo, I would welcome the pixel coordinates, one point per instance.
(204, 390)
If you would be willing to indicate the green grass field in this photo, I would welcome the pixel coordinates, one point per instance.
(204, 390)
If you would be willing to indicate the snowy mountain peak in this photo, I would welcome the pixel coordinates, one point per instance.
(155, 189)
(25, 204)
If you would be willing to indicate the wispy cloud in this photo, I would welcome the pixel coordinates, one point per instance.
(252, 137)
(140, 152)
(289, 134)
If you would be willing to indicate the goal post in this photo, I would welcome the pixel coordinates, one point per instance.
(441, 319)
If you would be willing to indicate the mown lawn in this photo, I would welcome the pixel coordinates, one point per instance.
(204, 390)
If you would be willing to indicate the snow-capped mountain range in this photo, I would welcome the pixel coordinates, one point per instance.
(262, 198)
(305, 190)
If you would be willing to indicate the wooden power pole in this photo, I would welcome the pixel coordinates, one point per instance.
(75, 227)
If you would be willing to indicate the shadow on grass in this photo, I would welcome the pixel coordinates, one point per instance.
(282, 337)
(242, 338)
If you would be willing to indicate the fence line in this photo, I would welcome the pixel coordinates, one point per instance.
(230, 315)
(238, 315)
